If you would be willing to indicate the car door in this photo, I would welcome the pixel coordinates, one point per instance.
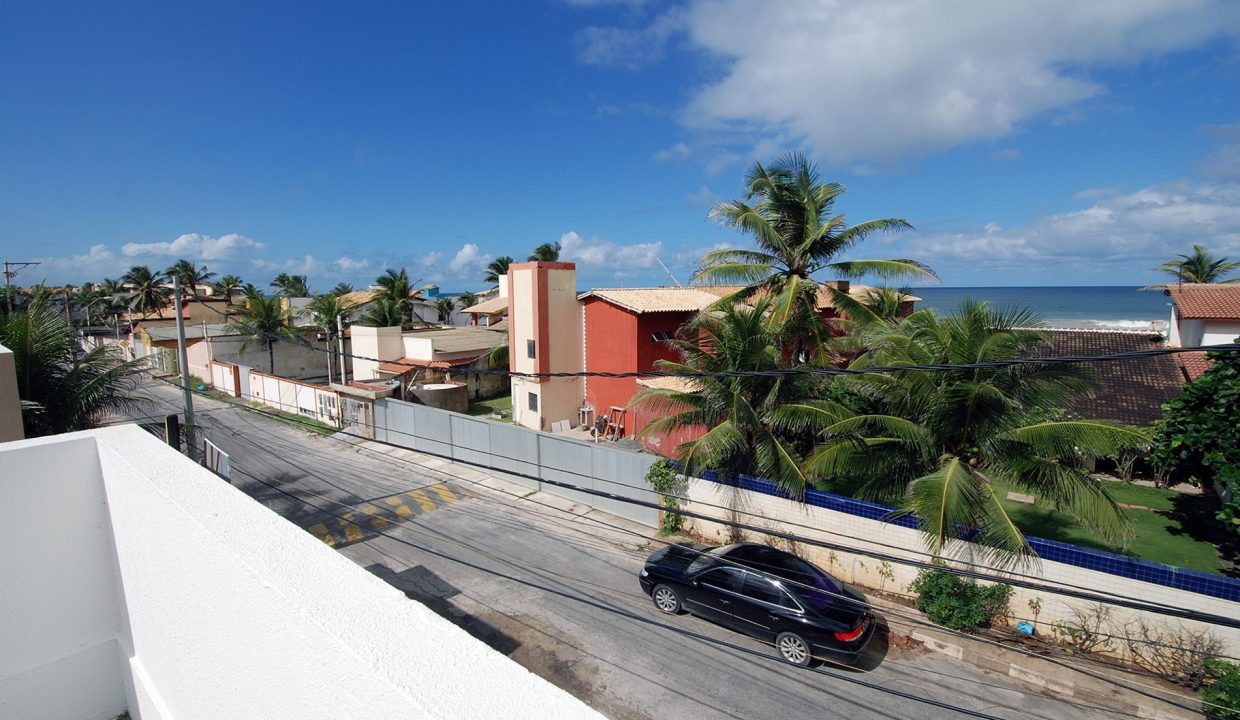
(712, 592)
(760, 606)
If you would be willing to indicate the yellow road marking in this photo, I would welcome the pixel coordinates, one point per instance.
(443, 492)
(400, 508)
(320, 531)
(377, 521)
(352, 533)
(421, 499)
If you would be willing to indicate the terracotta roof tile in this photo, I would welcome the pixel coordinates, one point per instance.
(489, 307)
(652, 300)
(1130, 391)
(1193, 364)
(1196, 301)
(405, 365)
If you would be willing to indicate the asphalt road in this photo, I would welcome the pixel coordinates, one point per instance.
(554, 586)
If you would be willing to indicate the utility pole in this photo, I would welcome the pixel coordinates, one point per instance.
(344, 379)
(191, 449)
(10, 269)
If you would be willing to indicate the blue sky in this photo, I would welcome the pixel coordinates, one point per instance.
(1050, 143)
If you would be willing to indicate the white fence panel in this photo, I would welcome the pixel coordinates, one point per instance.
(515, 449)
(432, 430)
(471, 440)
(624, 473)
(567, 461)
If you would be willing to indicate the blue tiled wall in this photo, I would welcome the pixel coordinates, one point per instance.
(1101, 561)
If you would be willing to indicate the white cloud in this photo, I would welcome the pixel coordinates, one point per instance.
(469, 260)
(307, 265)
(429, 259)
(1117, 240)
(599, 254)
(195, 247)
(348, 264)
(630, 48)
(679, 151)
(99, 262)
(878, 82)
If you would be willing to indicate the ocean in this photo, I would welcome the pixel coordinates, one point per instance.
(1100, 308)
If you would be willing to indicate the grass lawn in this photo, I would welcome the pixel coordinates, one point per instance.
(485, 408)
(1178, 530)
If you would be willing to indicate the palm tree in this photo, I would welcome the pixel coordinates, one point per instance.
(797, 236)
(383, 312)
(444, 306)
(744, 417)
(342, 289)
(395, 286)
(326, 313)
(951, 443)
(547, 252)
(146, 292)
(190, 276)
(228, 286)
(466, 299)
(1200, 267)
(291, 285)
(497, 268)
(262, 319)
(62, 391)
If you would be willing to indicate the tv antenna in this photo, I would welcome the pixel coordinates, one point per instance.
(11, 269)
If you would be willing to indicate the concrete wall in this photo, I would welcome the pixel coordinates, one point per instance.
(60, 613)
(313, 401)
(10, 404)
(371, 342)
(1217, 332)
(164, 590)
(293, 359)
(768, 511)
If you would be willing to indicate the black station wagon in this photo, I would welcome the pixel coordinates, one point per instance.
(758, 590)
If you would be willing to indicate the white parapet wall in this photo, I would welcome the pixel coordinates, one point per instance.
(873, 536)
(136, 580)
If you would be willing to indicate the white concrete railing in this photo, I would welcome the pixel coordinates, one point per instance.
(135, 579)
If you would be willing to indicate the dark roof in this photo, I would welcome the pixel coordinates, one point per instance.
(1131, 391)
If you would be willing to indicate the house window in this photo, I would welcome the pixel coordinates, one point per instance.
(533, 400)
(529, 349)
(662, 335)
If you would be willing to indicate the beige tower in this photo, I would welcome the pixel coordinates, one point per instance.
(544, 336)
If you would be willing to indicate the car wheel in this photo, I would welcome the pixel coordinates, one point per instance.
(666, 599)
(793, 649)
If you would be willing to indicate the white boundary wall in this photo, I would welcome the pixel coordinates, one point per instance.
(781, 515)
(162, 589)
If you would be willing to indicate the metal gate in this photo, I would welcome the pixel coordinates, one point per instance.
(357, 416)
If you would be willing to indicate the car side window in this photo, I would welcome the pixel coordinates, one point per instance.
(722, 578)
(759, 588)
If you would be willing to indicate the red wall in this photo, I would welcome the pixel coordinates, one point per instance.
(618, 340)
(611, 346)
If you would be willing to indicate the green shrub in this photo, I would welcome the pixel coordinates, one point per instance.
(1223, 690)
(664, 479)
(957, 603)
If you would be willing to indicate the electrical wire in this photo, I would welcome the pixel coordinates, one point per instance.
(1081, 594)
(780, 372)
(915, 620)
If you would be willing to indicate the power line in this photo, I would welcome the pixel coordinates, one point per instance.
(787, 372)
(915, 620)
(1007, 574)
(1118, 600)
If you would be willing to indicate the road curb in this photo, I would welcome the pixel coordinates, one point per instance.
(1046, 677)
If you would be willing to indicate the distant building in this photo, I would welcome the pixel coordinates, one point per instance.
(1202, 314)
(432, 355)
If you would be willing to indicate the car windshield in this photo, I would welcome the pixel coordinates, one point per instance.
(706, 559)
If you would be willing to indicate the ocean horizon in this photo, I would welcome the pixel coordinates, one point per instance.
(1119, 307)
